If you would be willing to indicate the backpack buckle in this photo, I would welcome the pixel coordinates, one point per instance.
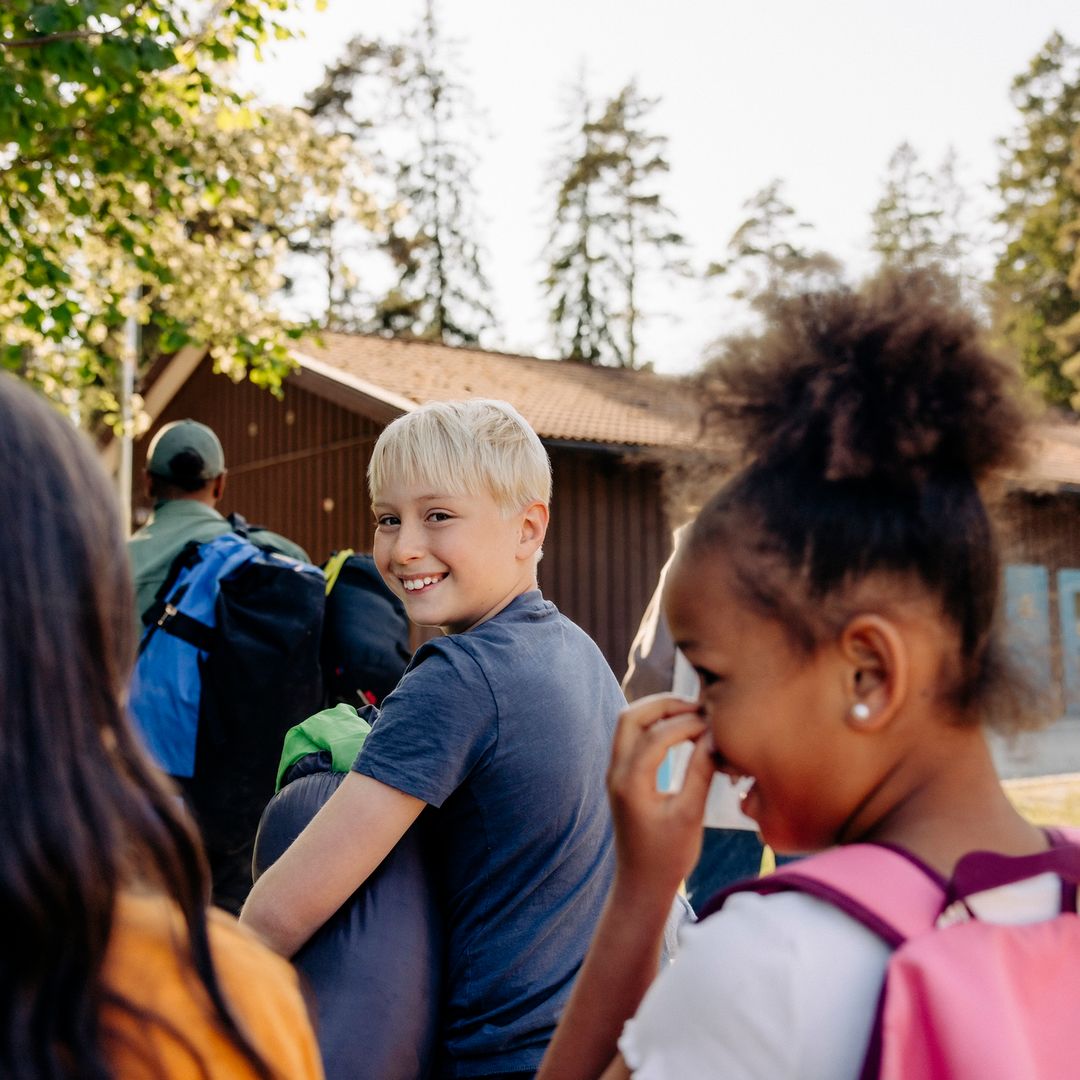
(167, 614)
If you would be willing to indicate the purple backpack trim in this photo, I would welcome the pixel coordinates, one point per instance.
(850, 878)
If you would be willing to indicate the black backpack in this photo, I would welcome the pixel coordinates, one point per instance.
(254, 664)
(365, 633)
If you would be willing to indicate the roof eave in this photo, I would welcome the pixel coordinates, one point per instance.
(344, 389)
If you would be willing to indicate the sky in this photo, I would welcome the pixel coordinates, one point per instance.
(818, 93)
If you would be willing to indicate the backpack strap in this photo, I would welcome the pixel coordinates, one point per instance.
(887, 890)
(897, 896)
(175, 622)
(239, 525)
(332, 566)
(164, 613)
(185, 558)
(979, 871)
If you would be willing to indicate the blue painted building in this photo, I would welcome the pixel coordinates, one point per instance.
(1039, 518)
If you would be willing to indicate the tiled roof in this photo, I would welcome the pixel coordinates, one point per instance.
(564, 401)
(579, 403)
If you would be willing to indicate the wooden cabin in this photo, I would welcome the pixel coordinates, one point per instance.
(616, 438)
(297, 464)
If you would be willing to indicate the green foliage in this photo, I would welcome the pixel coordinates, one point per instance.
(1066, 335)
(135, 183)
(612, 230)
(1035, 307)
(641, 224)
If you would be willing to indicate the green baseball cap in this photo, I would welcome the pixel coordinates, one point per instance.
(185, 452)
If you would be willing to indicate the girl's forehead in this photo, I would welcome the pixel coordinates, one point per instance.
(694, 586)
(693, 564)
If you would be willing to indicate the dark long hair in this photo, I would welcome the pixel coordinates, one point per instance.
(83, 813)
(871, 422)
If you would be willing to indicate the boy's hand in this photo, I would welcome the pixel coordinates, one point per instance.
(657, 834)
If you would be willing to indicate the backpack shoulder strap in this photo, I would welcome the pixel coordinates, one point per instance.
(1064, 834)
(979, 871)
(332, 567)
(186, 557)
(239, 525)
(884, 888)
(216, 556)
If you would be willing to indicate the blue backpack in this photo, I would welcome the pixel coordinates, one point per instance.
(229, 661)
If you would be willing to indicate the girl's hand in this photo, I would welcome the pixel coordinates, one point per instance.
(658, 834)
(657, 841)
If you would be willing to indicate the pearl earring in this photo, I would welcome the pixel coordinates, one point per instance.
(860, 711)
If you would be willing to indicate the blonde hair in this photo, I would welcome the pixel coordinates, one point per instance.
(464, 447)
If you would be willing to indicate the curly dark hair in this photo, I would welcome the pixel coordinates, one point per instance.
(870, 421)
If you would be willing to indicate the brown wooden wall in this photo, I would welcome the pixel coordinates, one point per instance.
(297, 466)
(607, 542)
(1041, 529)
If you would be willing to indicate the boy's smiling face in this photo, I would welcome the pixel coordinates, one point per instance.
(454, 559)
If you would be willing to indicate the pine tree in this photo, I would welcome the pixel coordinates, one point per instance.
(405, 107)
(350, 105)
(579, 281)
(1067, 335)
(440, 292)
(924, 219)
(769, 255)
(1032, 296)
(639, 225)
(907, 218)
(963, 235)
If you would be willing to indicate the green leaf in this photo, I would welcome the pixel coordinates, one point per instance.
(47, 18)
(172, 340)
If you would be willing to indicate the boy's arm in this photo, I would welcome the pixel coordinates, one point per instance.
(337, 852)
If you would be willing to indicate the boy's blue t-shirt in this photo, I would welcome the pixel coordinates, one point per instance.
(506, 731)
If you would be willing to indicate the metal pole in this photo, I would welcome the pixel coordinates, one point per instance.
(132, 333)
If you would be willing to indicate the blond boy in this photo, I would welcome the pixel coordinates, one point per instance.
(497, 738)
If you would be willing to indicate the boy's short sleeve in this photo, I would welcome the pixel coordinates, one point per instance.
(435, 727)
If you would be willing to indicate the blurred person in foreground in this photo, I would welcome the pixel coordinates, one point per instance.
(112, 965)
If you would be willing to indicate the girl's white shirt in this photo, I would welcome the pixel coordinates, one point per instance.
(781, 986)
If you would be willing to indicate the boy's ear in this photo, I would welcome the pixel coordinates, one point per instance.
(534, 523)
(877, 674)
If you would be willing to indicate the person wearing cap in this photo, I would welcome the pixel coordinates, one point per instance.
(185, 476)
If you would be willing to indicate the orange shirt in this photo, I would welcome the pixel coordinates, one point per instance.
(144, 966)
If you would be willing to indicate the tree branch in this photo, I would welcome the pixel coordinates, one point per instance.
(74, 35)
(48, 39)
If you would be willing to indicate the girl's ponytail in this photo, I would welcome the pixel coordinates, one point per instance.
(870, 423)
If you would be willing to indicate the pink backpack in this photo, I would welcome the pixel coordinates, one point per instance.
(966, 999)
